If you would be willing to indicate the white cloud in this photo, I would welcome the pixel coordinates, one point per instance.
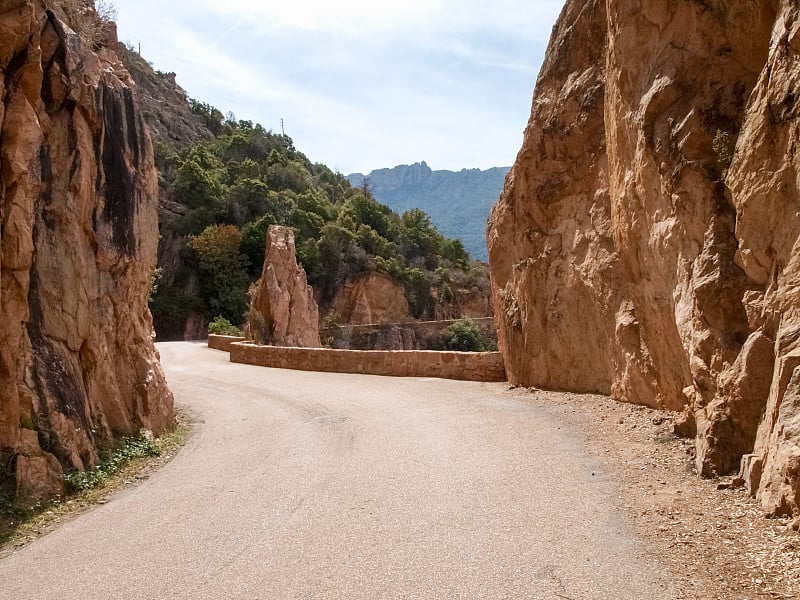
(356, 17)
(361, 85)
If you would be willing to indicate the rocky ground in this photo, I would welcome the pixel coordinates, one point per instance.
(716, 542)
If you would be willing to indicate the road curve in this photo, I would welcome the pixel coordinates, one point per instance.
(309, 485)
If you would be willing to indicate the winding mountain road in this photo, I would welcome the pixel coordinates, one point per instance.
(313, 485)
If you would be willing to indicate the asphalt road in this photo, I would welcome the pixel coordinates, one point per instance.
(307, 485)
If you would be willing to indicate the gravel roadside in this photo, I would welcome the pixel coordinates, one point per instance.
(717, 543)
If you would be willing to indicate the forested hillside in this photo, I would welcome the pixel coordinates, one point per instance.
(219, 195)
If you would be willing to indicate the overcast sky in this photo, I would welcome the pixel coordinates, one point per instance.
(361, 85)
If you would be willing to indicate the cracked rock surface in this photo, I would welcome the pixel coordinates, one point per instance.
(646, 244)
(77, 250)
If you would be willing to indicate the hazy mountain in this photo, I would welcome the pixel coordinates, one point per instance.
(458, 202)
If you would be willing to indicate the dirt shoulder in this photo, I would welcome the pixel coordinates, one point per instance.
(717, 543)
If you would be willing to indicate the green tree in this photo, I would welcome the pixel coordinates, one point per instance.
(254, 243)
(197, 187)
(418, 292)
(223, 270)
(289, 176)
(248, 199)
(419, 239)
(361, 210)
(212, 118)
(307, 225)
(453, 251)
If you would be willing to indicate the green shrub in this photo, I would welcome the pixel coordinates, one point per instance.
(464, 336)
(221, 326)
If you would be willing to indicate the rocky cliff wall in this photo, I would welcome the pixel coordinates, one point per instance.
(646, 242)
(77, 252)
(372, 298)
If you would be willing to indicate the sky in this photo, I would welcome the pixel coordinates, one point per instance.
(360, 85)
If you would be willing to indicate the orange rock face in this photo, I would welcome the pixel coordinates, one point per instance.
(283, 311)
(372, 299)
(77, 251)
(646, 242)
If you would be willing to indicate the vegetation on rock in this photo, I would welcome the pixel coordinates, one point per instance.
(112, 460)
(228, 190)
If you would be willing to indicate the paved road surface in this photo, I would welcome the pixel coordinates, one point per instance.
(305, 485)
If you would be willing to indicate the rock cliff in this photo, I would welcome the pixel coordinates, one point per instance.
(283, 311)
(77, 252)
(174, 128)
(646, 242)
(165, 105)
(371, 299)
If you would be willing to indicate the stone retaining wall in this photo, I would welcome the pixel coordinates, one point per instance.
(467, 366)
(223, 342)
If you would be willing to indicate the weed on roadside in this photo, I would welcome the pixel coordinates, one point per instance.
(123, 464)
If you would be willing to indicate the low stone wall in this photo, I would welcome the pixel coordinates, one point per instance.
(467, 366)
(412, 335)
(223, 342)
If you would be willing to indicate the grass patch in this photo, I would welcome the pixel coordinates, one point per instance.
(124, 464)
(128, 450)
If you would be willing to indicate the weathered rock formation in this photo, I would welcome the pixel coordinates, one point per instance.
(77, 252)
(373, 298)
(283, 311)
(646, 244)
(174, 128)
(474, 302)
(164, 103)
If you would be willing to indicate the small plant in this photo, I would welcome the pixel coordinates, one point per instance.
(129, 449)
(258, 329)
(221, 326)
(331, 328)
(723, 147)
(155, 279)
(89, 20)
(464, 336)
